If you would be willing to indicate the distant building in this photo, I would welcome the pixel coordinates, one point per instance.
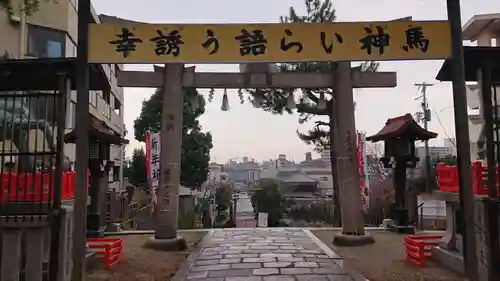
(247, 172)
(216, 174)
(435, 152)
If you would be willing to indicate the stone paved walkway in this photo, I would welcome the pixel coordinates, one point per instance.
(266, 254)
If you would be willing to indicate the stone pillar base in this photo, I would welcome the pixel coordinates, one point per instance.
(171, 244)
(402, 229)
(348, 240)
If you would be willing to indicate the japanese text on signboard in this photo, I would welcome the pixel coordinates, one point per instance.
(142, 43)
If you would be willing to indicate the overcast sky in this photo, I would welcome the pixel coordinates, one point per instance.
(248, 131)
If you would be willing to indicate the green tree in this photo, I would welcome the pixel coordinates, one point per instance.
(313, 103)
(136, 170)
(266, 198)
(30, 6)
(196, 144)
(223, 197)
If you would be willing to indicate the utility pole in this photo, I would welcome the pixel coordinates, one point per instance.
(426, 118)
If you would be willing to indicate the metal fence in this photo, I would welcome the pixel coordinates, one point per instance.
(32, 127)
(31, 163)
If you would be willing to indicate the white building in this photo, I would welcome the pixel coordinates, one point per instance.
(52, 32)
(484, 31)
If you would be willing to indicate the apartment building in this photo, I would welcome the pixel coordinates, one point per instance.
(483, 30)
(52, 32)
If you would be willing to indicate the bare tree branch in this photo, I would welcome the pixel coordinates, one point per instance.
(309, 109)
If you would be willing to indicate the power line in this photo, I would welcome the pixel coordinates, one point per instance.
(426, 114)
(442, 126)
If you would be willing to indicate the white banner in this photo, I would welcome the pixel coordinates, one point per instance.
(154, 160)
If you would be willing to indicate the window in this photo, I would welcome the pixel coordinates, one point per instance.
(70, 116)
(117, 105)
(116, 173)
(46, 43)
(93, 98)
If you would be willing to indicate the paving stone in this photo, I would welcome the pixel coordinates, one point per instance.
(234, 256)
(210, 267)
(253, 278)
(264, 248)
(266, 271)
(230, 252)
(240, 248)
(224, 261)
(314, 252)
(246, 265)
(340, 278)
(329, 264)
(197, 275)
(266, 254)
(295, 271)
(277, 264)
(306, 264)
(258, 251)
(275, 255)
(231, 273)
(312, 278)
(280, 278)
(291, 259)
(206, 262)
(262, 259)
(291, 248)
(209, 257)
(285, 251)
(302, 255)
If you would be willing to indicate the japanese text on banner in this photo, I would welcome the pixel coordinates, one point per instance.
(154, 160)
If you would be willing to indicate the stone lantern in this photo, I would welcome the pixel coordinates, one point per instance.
(399, 135)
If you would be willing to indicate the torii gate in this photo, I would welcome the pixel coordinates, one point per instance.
(446, 33)
(175, 45)
(174, 77)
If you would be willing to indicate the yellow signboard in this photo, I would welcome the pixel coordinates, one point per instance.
(236, 43)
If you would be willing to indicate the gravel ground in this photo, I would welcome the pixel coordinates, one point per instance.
(141, 264)
(384, 260)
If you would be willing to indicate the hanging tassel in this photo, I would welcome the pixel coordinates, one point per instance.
(211, 95)
(290, 102)
(195, 103)
(240, 95)
(322, 101)
(225, 102)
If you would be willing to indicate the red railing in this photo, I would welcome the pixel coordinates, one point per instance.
(108, 249)
(418, 248)
(35, 187)
(447, 177)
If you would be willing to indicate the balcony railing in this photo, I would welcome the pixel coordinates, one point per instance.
(116, 121)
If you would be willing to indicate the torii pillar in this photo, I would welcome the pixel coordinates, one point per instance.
(174, 77)
(353, 230)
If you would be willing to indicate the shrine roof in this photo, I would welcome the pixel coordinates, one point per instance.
(402, 126)
(473, 58)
